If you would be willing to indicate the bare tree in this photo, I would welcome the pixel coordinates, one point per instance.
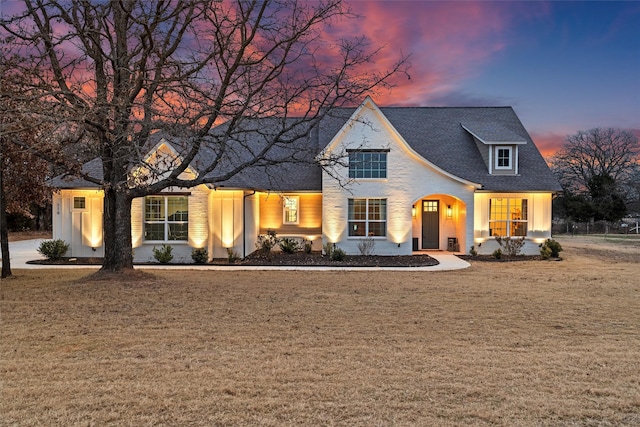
(117, 72)
(597, 166)
(22, 173)
(595, 152)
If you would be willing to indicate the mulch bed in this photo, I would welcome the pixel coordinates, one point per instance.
(298, 259)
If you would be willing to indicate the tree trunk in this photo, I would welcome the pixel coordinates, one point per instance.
(4, 232)
(118, 255)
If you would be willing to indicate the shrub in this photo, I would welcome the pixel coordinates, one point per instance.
(289, 245)
(232, 256)
(338, 254)
(511, 247)
(327, 248)
(308, 245)
(554, 247)
(266, 242)
(545, 251)
(472, 251)
(53, 249)
(366, 246)
(497, 254)
(200, 255)
(164, 254)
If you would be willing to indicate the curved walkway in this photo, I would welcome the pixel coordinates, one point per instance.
(26, 250)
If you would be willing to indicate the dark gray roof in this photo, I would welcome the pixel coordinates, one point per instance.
(492, 132)
(436, 133)
(92, 168)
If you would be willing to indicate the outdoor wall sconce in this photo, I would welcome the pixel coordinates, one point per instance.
(413, 211)
(449, 211)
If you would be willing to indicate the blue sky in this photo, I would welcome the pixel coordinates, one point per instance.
(564, 66)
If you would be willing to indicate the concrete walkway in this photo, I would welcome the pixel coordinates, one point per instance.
(26, 250)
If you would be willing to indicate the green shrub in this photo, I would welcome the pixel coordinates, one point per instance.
(553, 246)
(164, 254)
(200, 255)
(472, 251)
(289, 245)
(497, 254)
(266, 242)
(338, 254)
(53, 249)
(511, 246)
(545, 251)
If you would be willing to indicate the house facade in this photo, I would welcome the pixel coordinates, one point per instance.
(413, 179)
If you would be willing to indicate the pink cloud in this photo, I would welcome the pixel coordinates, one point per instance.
(448, 41)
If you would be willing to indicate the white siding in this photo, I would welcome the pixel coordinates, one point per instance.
(409, 179)
(81, 228)
(538, 221)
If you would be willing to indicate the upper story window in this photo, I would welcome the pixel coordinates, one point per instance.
(368, 217)
(166, 218)
(368, 163)
(508, 217)
(79, 203)
(503, 158)
(291, 210)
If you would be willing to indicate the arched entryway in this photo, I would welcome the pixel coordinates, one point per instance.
(439, 223)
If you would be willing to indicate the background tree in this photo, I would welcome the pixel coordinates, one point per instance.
(22, 174)
(117, 72)
(597, 167)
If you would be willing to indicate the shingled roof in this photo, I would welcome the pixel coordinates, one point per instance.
(438, 134)
(442, 135)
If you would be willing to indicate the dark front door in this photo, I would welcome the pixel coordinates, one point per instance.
(430, 224)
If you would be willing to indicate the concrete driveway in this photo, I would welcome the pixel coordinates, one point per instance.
(26, 250)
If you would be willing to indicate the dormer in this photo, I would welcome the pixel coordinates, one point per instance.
(497, 145)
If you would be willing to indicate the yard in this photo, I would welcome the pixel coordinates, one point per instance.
(518, 343)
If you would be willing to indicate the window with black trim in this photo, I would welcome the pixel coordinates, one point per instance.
(368, 163)
(508, 217)
(166, 218)
(368, 217)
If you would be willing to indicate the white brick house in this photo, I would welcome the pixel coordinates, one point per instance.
(413, 179)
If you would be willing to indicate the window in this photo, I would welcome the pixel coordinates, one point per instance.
(166, 218)
(503, 157)
(508, 217)
(368, 163)
(79, 203)
(368, 217)
(290, 210)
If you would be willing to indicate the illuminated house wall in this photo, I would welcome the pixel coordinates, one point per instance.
(225, 210)
(410, 178)
(538, 221)
(80, 227)
(310, 216)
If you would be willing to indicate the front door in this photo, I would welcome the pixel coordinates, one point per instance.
(430, 224)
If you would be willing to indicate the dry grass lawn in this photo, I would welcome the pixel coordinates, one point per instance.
(523, 343)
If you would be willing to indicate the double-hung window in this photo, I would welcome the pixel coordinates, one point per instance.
(290, 210)
(368, 163)
(368, 217)
(166, 218)
(508, 217)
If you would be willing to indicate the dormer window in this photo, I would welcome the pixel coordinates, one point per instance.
(503, 157)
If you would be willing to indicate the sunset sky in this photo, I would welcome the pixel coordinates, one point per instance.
(563, 66)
